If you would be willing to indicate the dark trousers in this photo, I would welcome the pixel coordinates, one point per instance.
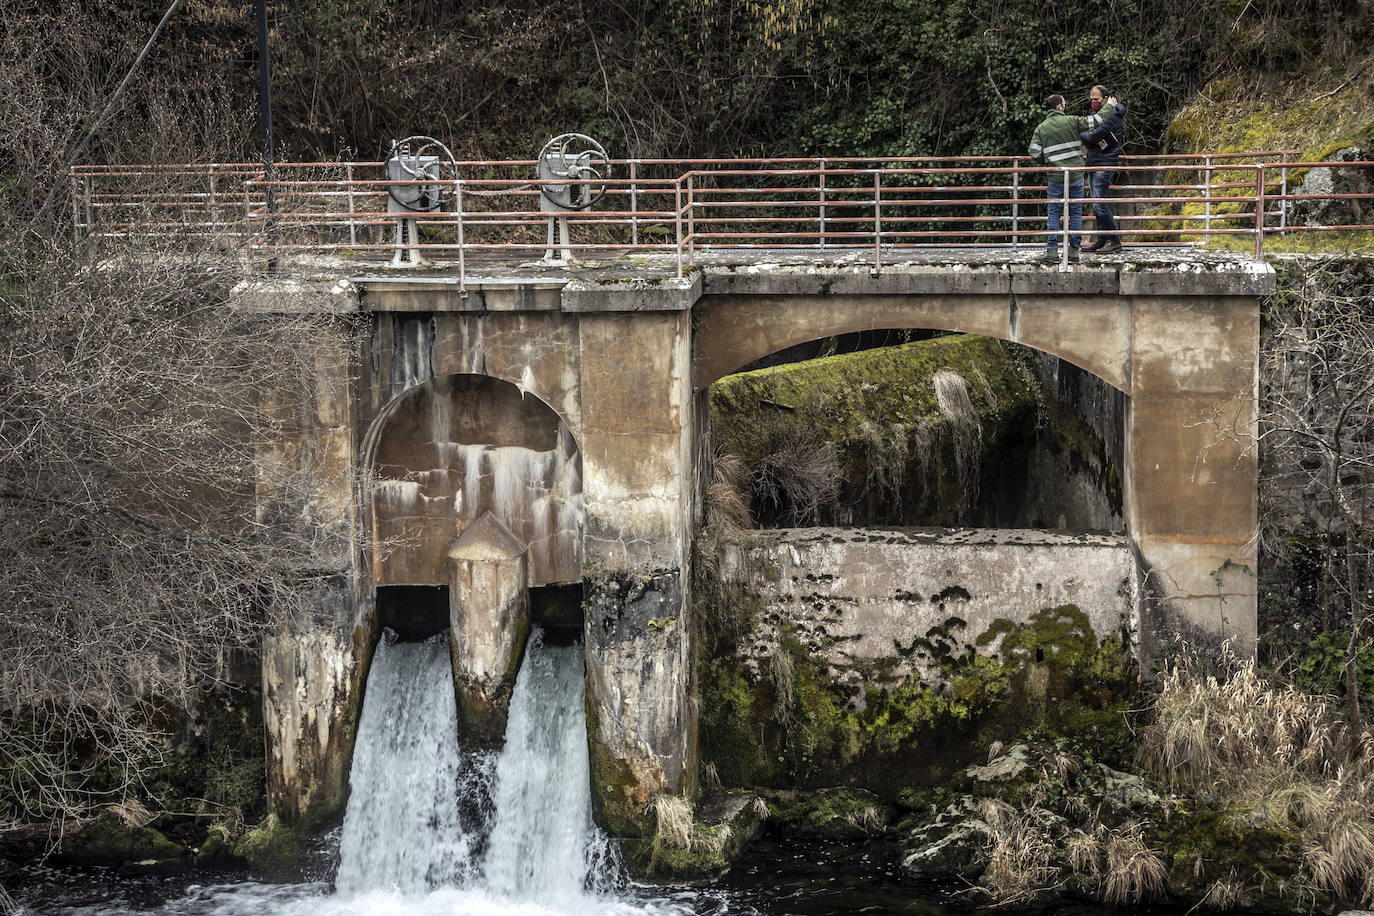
(1100, 183)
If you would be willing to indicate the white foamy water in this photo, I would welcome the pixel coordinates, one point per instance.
(544, 848)
(402, 830)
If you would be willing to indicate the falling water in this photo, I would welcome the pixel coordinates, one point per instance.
(403, 830)
(543, 845)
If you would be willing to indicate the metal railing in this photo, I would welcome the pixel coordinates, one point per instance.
(681, 207)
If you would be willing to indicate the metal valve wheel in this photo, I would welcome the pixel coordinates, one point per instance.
(421, 158)
(578, 158)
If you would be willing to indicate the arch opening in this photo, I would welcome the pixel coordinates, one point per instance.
(865, 438)
(457, 447)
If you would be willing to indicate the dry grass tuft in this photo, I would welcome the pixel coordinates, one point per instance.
(952, 398)
(727, 499)
(1276, 756)
(710, 775)
(673, 819)
(711, 841)
(760, 808)
(798, 481)
(1225, 894)
(1134, 871)
(1020, 853)
(784, 674)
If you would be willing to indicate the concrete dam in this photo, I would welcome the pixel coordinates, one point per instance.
(532, 449)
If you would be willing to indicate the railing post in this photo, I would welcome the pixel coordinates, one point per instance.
(634, 206)
(1207, 192)
(1259, 212)
(76, 209)
(462, 243)
(248, 212)
(820, 210)
(677, 220)
(1015, 205)
(214, 207)
(1283, 204)
(352, 226)
(691, 219)
(1064, 222)
(877, 222)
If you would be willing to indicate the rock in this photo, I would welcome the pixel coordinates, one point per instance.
(271, 848)
(952, 844)
(1125, 792)
(723, 828)
(1336, 181)
(830, 814)
(108, 840)
(1004, 769)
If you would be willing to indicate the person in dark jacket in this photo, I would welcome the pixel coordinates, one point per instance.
(1103, 144)
(1057, 142)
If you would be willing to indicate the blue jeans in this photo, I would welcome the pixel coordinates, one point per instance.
(1055, 193)
(1101, 182)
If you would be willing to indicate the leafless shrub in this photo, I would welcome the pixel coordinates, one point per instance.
(710, 775)
(150, 530)
(798, 481)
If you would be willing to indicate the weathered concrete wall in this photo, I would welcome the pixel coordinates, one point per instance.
(488, 621)
(884, 607)
(313, 670)
(456, 447)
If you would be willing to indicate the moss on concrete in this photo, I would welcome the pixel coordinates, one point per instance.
(878, 409)
(1047, 677)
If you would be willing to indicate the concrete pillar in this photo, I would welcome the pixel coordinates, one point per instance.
(637, 433)
(1192, 470)
(488, 621)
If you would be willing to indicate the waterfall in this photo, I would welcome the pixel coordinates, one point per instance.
(543, 846)
(402, 830)
(536, 849)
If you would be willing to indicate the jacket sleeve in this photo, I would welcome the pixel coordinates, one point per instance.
(1113, 124)
(1036, 150)
(1099, 119)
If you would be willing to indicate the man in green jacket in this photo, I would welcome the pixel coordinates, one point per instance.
(1056, 143)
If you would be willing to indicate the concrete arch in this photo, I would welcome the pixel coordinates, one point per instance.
(733, 331)
(443, 453)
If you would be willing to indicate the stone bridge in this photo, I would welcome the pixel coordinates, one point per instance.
(488, 445)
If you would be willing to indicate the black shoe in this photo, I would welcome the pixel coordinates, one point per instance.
(1095, 245)
(1049, 256)
(1073, 253)
(1111, 247)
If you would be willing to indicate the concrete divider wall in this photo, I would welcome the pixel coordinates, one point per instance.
(904, 597)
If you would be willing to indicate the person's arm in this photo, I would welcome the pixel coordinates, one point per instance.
(1098, 117)
(1036, 150)
(1113, 125)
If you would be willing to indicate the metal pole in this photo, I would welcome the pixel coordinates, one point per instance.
(1015, 205)
(352, 226)
(1207, 190)
(691, 220)
(265, 112)
(634, 206)
(1259, 212)
(877, 222)
(214, 210)
(820, 218)
(462, 260)
(677, 220)
(76, 209)
(1283, 204)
